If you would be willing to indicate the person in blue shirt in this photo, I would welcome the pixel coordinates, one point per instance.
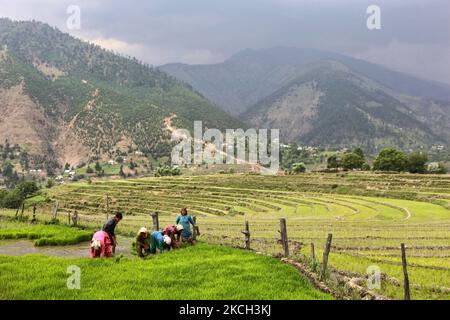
(160, 242)
(185, 220)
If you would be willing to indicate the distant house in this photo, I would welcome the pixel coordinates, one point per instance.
(66, 171)
(111, 162)
(138, 153)
(437, 147)
(307, 148)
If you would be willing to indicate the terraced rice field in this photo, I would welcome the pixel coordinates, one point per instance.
(369, 216)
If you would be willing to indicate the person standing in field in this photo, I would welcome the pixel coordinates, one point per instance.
(110, 227)
(185, 220)
(143, 243)
(160, 242)
(174, 232)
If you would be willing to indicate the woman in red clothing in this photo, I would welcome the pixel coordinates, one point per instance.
(101, 245)
(172, 232)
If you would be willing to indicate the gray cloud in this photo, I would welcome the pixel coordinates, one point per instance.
(415, 34)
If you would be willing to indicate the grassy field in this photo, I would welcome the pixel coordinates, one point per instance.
(199, 272)
(369, 215)
(44, 235)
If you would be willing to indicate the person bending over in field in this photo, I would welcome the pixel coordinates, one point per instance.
(100, 245)
(110, 227)
(174, 232)
(143, 243)
(159, 242)
(185, 220)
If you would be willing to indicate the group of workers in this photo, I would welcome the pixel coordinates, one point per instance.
(104, 242)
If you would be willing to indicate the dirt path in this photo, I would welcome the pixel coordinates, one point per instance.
(81, 250)
(168, 126)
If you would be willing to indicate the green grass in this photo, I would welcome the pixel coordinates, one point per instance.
(44, 235)
(369, 215)
(35, 200)
(198, 272)
(107, 168)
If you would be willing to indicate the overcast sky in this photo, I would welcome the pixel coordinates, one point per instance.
(414, 36)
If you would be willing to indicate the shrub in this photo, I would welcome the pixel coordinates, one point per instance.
(12, 199)
(119, 160)
(332, 162)
(437, 168)
(299, 167)
(167, 171)
(50, 183)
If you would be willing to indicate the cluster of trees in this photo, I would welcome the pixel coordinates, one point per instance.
(98, 169)
(10, 176)
(389, 159)
(127, 175)
(293, 154)
(9, 151)
(349, 161)
(13, 198)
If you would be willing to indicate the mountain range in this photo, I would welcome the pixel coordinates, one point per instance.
(69, 101)
(64, 100)
(325, 99)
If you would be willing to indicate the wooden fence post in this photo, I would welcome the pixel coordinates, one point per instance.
(313, 256)
(34, 212)
(325, 255)
(68, 217)
(194, 231)
(23, 209)
(247, 236)
(75, 217)
(55, 210)
(284, 237)
(405, 273)
(18, 208)
(155, 221)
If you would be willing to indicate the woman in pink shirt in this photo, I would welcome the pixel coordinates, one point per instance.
(101, 245)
